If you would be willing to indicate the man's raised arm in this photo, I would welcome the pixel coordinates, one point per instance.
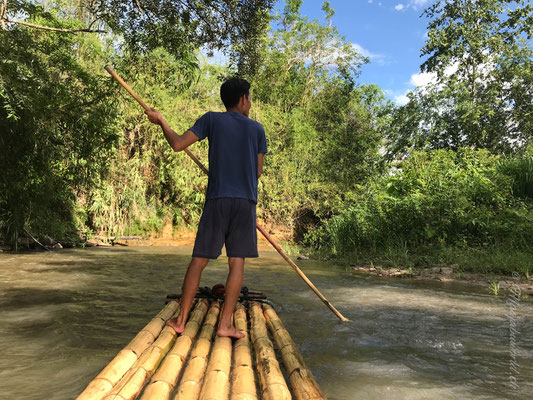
(177, 142)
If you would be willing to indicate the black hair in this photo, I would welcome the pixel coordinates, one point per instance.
(232, 90)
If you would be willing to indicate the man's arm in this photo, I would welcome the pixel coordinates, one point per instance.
(177, 142)
(259, 164)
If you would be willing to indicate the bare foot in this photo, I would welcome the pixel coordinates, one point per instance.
(173, 323)
(230, 332)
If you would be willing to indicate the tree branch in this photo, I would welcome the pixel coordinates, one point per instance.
(139, 6)
(36, 241)
(49, 28)
(3, 14)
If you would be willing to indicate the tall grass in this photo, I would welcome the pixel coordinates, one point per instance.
(437, 201)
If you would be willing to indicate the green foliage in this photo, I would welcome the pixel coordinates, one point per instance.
(520, 169)
(147, 182)
(324, 132)
(301, 57)
(480, 54)
(179, 27)
(494, 287)
(57, 124)
(438, 198)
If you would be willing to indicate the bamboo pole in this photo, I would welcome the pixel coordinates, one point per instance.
(166, 377)
(243, 381)
(302, 381)
(103, 383)
(273, 385)
(261, 229)
(143, 105)
(216, 380)
(301, 274)
(192, 379)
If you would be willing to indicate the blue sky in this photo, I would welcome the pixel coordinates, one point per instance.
(389, 32)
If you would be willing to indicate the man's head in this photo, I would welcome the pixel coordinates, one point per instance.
(235, 94)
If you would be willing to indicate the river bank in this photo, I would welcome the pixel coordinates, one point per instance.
(494, 283)
(167, 236)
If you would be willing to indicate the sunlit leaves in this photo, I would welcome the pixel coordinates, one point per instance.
(483, 93)
(57, 128)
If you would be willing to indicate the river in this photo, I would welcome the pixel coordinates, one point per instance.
(65, 314)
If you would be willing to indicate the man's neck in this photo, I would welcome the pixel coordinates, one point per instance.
(236, 110)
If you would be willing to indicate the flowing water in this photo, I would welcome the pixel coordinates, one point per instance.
(64, 315)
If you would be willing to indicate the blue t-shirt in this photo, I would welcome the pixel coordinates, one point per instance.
(234, 142)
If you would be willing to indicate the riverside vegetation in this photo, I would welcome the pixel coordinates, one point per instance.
(446, 179)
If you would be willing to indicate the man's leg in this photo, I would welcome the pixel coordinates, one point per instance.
(233, 288)
(189, 289)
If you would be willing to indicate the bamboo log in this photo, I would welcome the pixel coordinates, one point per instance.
(133, 382)
(169, 310)
(273, 384)
(163, 381)
(243, 385)
(104, 382)
(216, 381)
(302, 381)
(192, 379)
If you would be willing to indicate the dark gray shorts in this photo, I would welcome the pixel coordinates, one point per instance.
(229, 221)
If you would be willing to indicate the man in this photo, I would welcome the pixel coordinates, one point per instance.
(236, 148)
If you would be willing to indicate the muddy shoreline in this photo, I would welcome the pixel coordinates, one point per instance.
(495, 284)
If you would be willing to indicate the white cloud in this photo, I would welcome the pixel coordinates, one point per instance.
(421, 80)
(370, 1)
(377, 58)
(413, 4)
(402, 99)
(419, 3)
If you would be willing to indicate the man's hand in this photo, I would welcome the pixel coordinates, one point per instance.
(177, 142)
(154, 116)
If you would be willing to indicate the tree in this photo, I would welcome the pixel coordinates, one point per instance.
(57, 128)
(324, 130)
(301, 56)
(482, 96)
(179, 26)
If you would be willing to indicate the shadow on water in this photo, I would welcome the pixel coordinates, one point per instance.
(64, 315)
(21, 297)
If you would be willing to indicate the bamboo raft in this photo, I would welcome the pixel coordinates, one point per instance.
(158, 364)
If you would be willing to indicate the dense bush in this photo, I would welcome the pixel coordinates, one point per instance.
(435, 198)
(57, 129)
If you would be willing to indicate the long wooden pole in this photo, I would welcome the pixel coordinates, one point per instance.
(143, 105)
(259, 228)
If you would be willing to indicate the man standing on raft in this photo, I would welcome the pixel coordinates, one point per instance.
(236, 148)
